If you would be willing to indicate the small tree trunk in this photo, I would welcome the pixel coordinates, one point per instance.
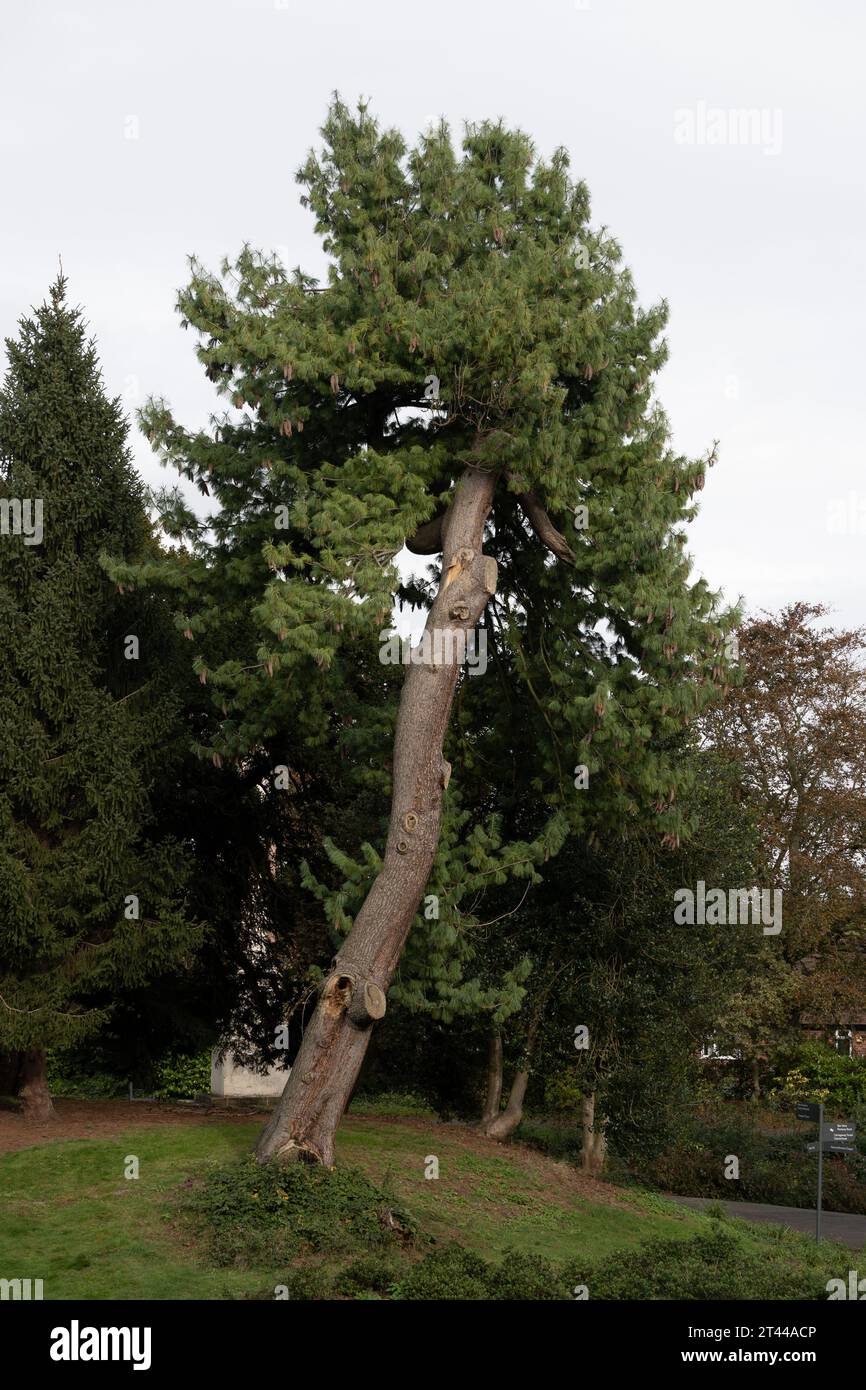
(594, 1149)
(599, 1150)
(305, 1120)
(587, 1116)
(33, 1089)
(494, 1078)
(503, 1125)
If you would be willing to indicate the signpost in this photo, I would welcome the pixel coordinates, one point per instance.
(808, 1109)
(837, 1138)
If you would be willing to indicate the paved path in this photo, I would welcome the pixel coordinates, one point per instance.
(835, 1225)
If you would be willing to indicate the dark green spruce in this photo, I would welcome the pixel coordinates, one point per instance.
(91, 895)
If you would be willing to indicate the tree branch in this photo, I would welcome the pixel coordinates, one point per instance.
(427, 540)
(545, 529)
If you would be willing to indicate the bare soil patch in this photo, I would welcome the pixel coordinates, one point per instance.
(102, 1119)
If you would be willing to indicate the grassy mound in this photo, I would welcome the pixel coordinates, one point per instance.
(202, 1221)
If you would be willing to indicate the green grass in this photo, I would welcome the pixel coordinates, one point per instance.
(494, 1201)
(70, 1217)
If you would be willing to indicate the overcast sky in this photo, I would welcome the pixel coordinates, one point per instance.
(135, 134)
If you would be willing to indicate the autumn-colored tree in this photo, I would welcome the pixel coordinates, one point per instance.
(796, 725)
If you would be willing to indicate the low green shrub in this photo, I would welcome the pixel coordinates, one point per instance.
(450, 1273)
(727, 1261)
(69, 1077)
(253, 1213)
(456, 1273)
(307, 1284)
(522, 1275)
(368, 1274)
(175, 1076)
(392, 1103)
(180, 1077)
(773, 1166)
(716, 1265)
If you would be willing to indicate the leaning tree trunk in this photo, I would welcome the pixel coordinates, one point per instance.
(33, 1088)
(332, 1050)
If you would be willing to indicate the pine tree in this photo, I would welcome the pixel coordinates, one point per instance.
(474, 379)
(91, 896)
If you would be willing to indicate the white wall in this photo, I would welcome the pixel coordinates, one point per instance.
(229, 1078)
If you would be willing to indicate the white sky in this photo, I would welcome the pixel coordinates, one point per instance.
(761, 255)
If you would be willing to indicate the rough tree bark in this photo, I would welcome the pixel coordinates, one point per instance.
(594, 1142)
(33, 1086)
(332, 1050)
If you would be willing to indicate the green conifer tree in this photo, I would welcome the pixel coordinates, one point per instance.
(91, 896)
